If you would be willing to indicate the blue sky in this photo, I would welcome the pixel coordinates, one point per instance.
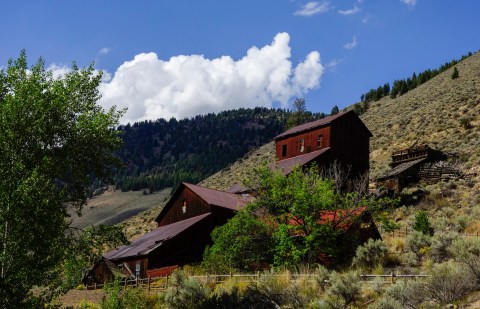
(181, 58)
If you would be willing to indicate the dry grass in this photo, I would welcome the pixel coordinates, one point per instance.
(73, 298)
(429, 113)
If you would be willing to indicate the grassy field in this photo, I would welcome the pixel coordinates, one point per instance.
(113, 207)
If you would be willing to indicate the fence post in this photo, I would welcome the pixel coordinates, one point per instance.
(231, 274)
(392, 278)
(258, 276)
(148, 284)
(95, 286)
(406, 231)
(166, 286)
(136, 282)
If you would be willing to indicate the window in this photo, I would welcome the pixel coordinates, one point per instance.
(320, 141)
(184, 208)
(284, 150)
(302, 145)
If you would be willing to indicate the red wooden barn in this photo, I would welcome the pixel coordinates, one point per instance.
(342, 137)
(184, 227)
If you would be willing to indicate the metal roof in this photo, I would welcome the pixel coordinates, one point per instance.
(150, 241)
(287, 165)
(401, 168)
(310, 125)
(220, 198)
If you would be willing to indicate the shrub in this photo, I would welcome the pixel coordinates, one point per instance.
(448, 282)
(408, 293)
(387, 302)
(422, 224)
(186, 292)
(344, 289)
(416, 241)
(370, 254)
(465, 122)
(321, 276)
(455, 73)
(440, 244)
(467, 251)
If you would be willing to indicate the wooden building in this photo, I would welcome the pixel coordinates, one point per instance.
(184, 228)
(414, 164)
(341, 138)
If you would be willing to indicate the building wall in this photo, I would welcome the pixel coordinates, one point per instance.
(310, 143)
(195, 206)
(350, 144)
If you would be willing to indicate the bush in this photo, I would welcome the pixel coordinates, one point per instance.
(455, 73)
(422, 224)
(321, 276)
(186, 293)
(448, 282)
(467, 251)
(465, 122)
(409, 294)
(387, 302)
(440, 244)
(344, 289)
(416, 241)
(370, 254)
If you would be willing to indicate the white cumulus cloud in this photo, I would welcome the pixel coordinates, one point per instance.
(352, 44)
(188, 85)
(410, 3)
(313, 7)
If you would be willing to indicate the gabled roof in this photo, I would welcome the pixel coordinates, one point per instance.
(210, 196)
(219, 198)
(318, 123)
(310, 125)
(287, 165)
(401, 168)
(150, 241)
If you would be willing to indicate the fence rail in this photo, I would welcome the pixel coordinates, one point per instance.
(162, 283)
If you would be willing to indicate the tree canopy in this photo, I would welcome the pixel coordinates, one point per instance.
(54, 139)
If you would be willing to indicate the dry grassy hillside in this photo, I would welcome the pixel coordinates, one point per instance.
(432, 114)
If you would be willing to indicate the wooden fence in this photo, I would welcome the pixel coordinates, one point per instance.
(162, 283)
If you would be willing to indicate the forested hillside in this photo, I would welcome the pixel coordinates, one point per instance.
(161, 153)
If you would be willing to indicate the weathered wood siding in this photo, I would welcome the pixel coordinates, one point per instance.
(310, 142)
(195, 206)
(185, 248)
(350, 144)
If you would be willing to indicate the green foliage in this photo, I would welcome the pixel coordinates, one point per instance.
(186, 293)
(465, 122)
(86, 248)
(467, 252)
(416, 241)
(244, 243)
(422, 224)
(53, 138)
(455, 73)
(370, 254)
(344, 289)
(115, 297)
(440, 243)
(448, 282)
(410, 294)
(335, 110)
(299, 114)
(162, 153)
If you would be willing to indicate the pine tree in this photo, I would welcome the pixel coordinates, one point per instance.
(335, 110)
(455, 73)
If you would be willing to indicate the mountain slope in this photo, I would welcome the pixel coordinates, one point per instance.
(432, 114)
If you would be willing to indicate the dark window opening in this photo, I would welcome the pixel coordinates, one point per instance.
(302, 145)
(284, 150)
(184, 207)
(320, 141)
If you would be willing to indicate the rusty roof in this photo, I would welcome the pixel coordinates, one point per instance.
(311, 125)
(220, 198)
(210, 196)
(287, 165)
(150, 241)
